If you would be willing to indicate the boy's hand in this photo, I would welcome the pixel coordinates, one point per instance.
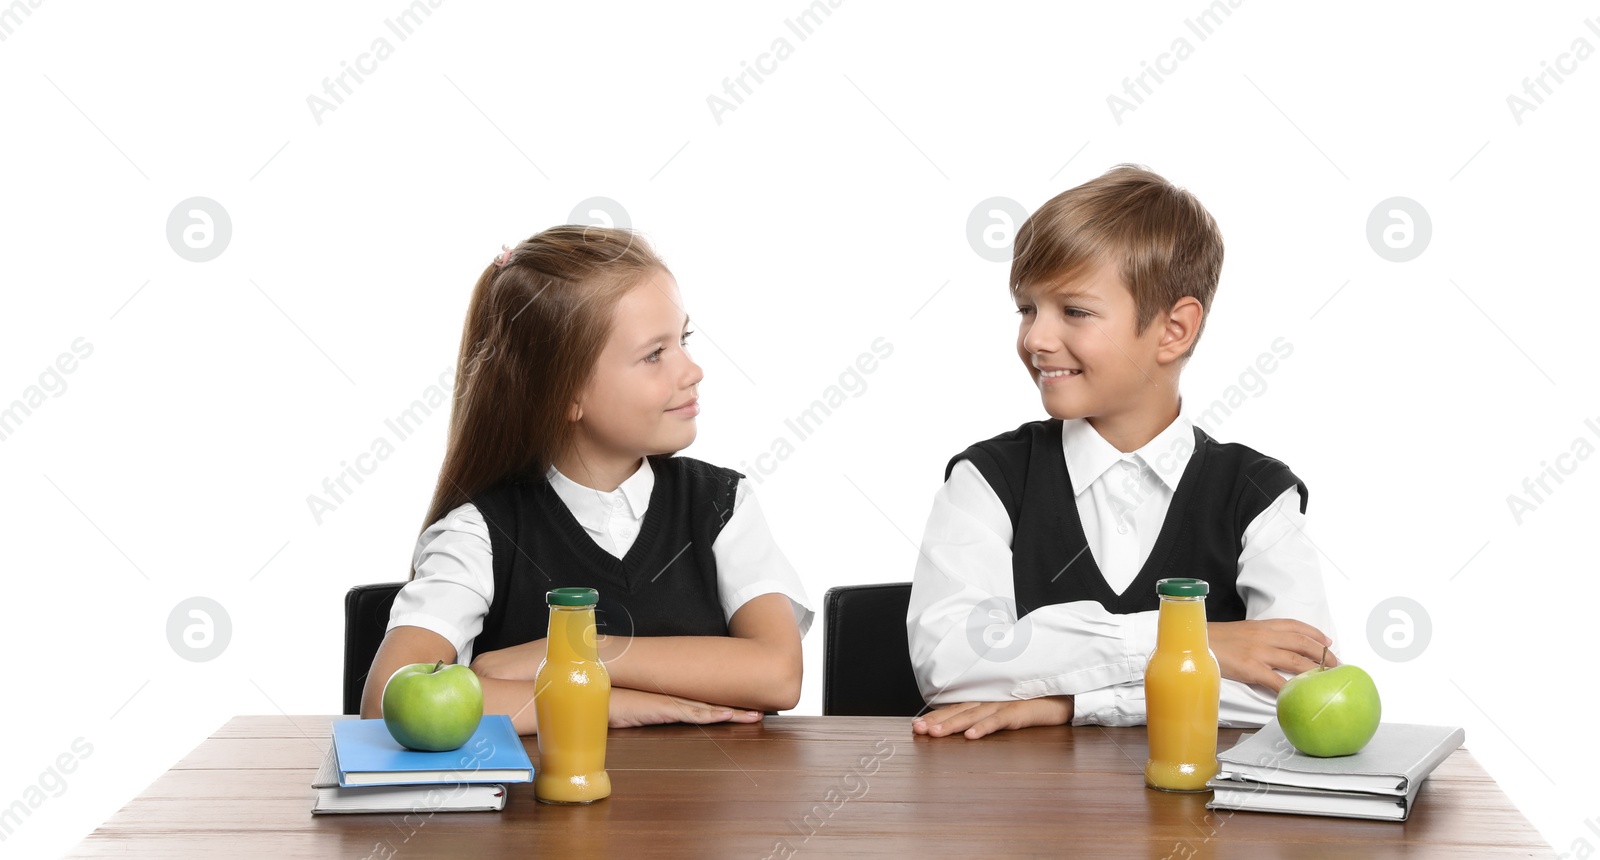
(630, 708)
(976, 719)
(1251, 651)
(517, 663)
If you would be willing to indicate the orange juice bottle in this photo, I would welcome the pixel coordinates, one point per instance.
(1181, 687)
(572, 698)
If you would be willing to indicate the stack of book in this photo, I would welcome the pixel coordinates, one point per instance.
(1264, 773)
(366, 770)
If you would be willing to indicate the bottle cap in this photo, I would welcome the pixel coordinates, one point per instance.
(1182, 587)
(572, 597)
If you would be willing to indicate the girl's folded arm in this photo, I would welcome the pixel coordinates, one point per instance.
(401, 647)
(405, 645)
(756, 666)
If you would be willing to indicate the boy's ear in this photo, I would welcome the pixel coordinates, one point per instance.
(1182, 326)
(575, 411)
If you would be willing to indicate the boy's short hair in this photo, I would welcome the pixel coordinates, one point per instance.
(1164, 243)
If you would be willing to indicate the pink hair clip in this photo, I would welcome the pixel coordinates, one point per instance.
(505, 256)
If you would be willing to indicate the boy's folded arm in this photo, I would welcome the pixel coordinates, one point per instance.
(1279, 578)
(1242, 705)
(1288, 621)
(1279, 574)
(966, 642)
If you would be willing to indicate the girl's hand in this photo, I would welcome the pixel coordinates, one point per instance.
(517, 663)
(1254, 651)
(630, 708)
(976, 719)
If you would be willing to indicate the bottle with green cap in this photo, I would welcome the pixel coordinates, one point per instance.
(1182, 684)
(572, 698)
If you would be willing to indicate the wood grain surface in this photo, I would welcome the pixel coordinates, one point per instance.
(793, 786)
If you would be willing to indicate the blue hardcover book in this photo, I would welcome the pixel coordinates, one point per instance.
(369, 755)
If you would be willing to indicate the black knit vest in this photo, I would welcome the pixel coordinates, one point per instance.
(666, 584)
(1223, 489)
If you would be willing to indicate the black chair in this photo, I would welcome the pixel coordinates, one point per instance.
(366, 618)
(866, 661)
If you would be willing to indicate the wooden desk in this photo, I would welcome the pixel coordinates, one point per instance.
(791, 786)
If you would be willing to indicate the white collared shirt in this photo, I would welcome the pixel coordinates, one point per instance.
(612, 519)
(1123, 498)
(454, 585)
(963, 652)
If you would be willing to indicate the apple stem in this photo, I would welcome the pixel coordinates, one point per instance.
(439, 664)
(1323, 663)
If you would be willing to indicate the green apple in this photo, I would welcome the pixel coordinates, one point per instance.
(432, 707)
(1330, 712)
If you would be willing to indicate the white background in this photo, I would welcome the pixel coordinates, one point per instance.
(829, 209)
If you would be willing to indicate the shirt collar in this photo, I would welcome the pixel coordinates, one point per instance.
(592, 507)
(1089, 455)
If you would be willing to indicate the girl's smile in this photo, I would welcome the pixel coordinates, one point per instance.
(643, 395)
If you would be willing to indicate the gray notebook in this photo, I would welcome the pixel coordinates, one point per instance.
(1259, 797)
(1397, 758)
(328, 797)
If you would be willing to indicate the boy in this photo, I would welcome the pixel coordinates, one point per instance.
(1034, 600)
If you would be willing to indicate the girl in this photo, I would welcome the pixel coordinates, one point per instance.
(573, 390)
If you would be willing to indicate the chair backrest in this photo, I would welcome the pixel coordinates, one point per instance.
(866, 661)
(366, 619)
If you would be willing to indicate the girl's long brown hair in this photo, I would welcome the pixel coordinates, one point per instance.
(535, 327)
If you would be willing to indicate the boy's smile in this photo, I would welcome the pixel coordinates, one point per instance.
(1078, 342)
(1049, 374)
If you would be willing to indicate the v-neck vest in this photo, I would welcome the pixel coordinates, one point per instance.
(665, 585)
(1222, 490)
